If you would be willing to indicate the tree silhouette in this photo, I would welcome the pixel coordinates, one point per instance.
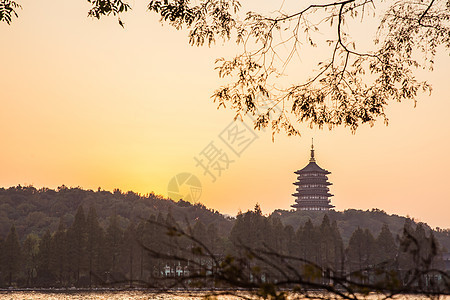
(11, 255)
(59, 263)
(44, 260)
(129, 248)
(386, 247)
(360, 253)
(30, 248)
(260, 256)
(77, 239)
(351, 85)
(269, 274)
(94, 244)
(114, 240)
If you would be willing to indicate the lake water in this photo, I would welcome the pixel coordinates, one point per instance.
(125, 295)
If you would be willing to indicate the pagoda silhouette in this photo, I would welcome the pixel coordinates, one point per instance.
(312, 187)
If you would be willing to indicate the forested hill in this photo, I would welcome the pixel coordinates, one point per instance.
(348, 220)
(34, 210)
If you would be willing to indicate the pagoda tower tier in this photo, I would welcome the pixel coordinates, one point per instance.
(312, 192)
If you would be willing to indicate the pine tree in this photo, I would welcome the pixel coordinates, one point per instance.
(252, 229)
(339, 255)
(114, 240)
(369, 242)
(94, 244)
(59, 259)
(291, 242)
(30, 249)
(77, 238)
(326, 243)
(44, 258)
(274, 237)
(307, 236)
(128, 251)
(386, 248)
(360, 252)
(11, 255)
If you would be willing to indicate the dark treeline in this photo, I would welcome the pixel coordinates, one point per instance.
(35, 211)
(86, 254)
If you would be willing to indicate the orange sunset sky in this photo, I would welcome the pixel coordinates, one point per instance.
(87, 103)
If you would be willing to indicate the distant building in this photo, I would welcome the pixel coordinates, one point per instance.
(312, 187)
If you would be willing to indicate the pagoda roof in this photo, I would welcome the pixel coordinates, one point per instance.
(303, 193)
(303, 181)
(312, 167)
(310, 204)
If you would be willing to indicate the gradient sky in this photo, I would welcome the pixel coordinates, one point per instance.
(87, 103)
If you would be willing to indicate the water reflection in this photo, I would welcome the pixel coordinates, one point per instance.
(138, 295)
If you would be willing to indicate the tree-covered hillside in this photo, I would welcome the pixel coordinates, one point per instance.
(34, 210)
(350, 219)
(164, 250)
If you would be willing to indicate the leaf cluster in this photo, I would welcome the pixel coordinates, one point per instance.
(107, 7)
(8, 10)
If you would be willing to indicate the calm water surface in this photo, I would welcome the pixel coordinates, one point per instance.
(142, 295)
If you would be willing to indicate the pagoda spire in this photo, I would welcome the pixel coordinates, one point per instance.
(312, 159)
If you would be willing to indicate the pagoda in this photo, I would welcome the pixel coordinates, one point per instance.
(312, 187)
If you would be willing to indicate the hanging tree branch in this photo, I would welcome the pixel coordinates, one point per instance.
(349, 88)
(268, 273)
